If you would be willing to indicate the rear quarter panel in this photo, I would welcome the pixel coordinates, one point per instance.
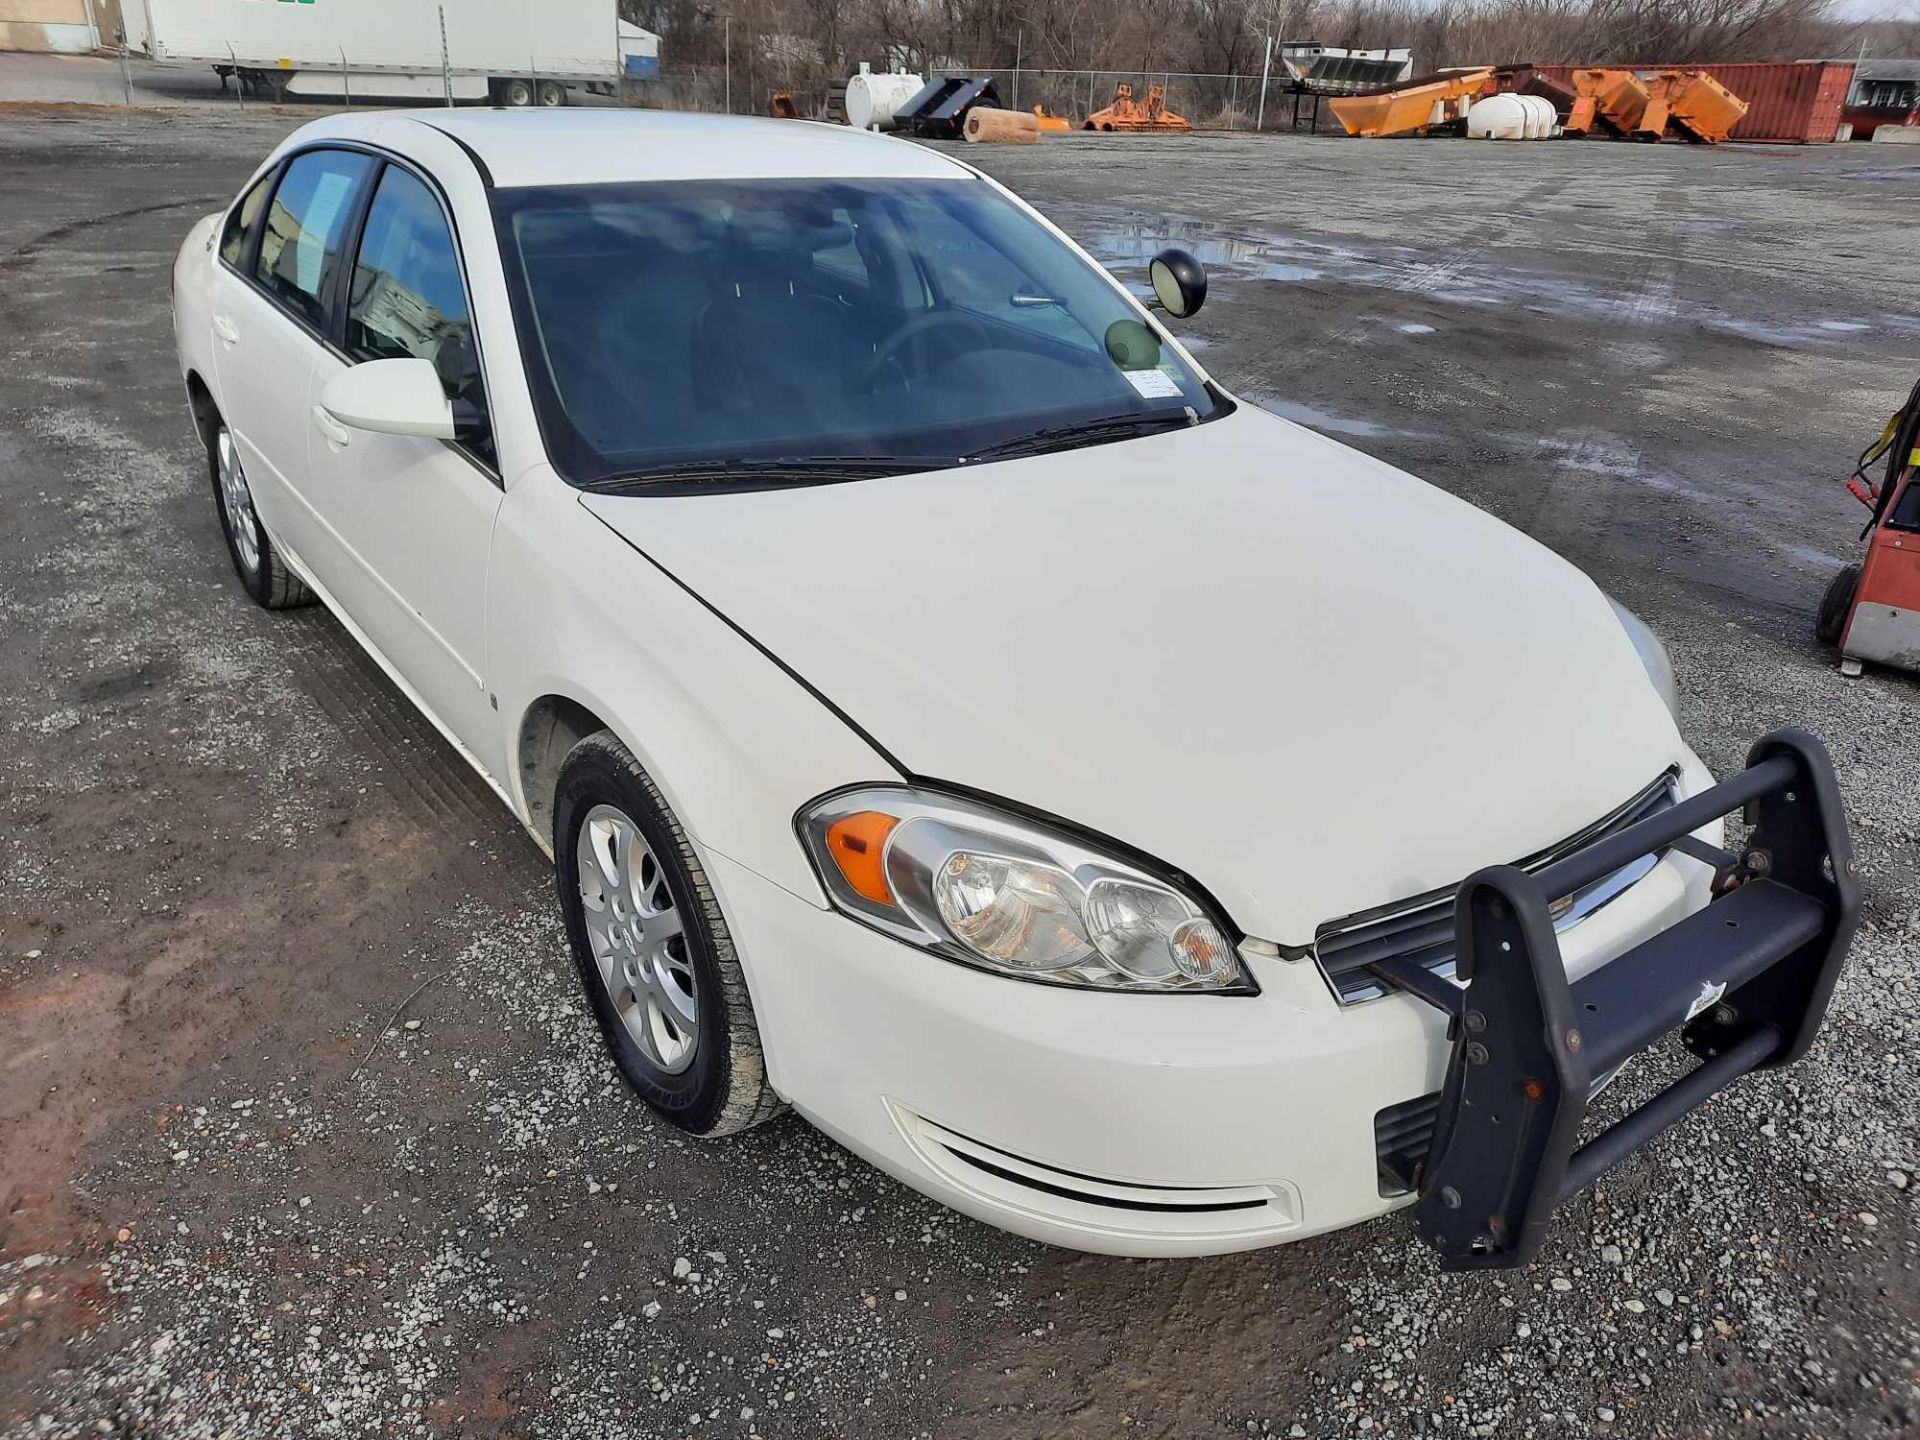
(193, 277)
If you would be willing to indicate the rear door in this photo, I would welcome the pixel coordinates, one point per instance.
(269, 326)
(413, 517)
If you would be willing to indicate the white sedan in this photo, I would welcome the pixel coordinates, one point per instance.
(950, 712)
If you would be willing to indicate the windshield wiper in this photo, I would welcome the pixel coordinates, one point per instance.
(1087, 432)
(778, 470)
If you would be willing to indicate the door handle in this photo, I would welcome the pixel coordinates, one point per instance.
(338, 435)
(226, 330)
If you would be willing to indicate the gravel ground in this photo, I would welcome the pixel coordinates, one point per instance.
(305, 1131)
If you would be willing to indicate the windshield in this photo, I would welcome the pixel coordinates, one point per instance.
(897, 324)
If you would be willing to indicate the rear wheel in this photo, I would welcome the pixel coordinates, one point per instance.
(516, 94)
(263, 573)
(652, 948)
(552, 93)
(1831, 621)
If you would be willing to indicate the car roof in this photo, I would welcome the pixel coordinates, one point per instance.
(599, 145)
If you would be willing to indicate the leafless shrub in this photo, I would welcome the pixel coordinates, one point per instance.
(800, 46)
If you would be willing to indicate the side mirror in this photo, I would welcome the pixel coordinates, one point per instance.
(391, 397)
(1179, 283)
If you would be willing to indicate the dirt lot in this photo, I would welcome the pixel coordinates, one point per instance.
(303, 1131)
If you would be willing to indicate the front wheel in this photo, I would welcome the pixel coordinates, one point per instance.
(1831, 621)
(652, 948)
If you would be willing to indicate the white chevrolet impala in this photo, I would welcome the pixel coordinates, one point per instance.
(1124, 815)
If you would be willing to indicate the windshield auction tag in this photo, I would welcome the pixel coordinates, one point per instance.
(1153, 384)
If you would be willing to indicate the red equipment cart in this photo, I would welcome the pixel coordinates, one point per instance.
(1871, 611)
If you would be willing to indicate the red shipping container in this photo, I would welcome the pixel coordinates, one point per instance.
(1798, 101)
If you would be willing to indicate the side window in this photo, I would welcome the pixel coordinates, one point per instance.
(233, 239)
(301, 245)
(407, 297)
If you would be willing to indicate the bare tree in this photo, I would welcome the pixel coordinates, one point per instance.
(803, 45)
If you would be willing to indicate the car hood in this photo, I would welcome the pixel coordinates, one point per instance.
(1308, 680)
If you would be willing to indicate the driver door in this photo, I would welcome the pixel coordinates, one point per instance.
(414, 516)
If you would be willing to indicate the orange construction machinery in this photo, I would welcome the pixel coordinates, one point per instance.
(1647, 104)
(1050, 121)
(1429, 103)
(1632, 104)
(1126, 113)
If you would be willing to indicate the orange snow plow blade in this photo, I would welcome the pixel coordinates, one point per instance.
(1613, 99)
(1409, 109)
(1644, 105)
(1699, 107)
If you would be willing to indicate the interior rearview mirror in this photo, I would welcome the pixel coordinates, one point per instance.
(1179, 282)
(391, 397)
(1133, 346)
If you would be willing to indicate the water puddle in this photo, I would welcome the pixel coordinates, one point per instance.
(1456, 276)
(1265, 257)
(1329, 423)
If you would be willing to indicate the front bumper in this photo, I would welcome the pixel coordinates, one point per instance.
(1126, 1124)
(1746, 982)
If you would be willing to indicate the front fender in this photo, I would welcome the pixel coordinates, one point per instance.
(735, 743)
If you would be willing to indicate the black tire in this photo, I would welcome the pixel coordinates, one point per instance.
(723, 1087)
(516, 94)
(263, 573)
(1831, 621)
(552, 94)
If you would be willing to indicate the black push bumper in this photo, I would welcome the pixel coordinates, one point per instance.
(1746, 981)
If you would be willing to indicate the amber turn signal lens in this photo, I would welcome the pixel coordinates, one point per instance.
(858, 845)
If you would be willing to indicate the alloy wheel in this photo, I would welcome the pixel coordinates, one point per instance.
(237, 502)
(639, 939)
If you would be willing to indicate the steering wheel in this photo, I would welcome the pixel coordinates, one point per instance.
(887, 352)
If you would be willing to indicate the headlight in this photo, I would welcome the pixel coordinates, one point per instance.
(1003, 894)
(1653, 655)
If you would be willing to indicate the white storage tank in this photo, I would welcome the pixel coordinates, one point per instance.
(1498, 117)
(1513, 117)
(1542, 118)
(872, 99)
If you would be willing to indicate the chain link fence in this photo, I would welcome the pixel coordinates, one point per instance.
(746, 81)
(1210, 100)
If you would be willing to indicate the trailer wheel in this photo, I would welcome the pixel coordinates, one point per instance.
(552, 93)
(1831, 620)
(517, 94)
(268, 85)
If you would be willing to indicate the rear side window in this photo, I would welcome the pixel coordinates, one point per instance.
(233, 239)
(309, 213)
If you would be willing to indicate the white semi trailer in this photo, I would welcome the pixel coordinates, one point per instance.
(510, 52)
